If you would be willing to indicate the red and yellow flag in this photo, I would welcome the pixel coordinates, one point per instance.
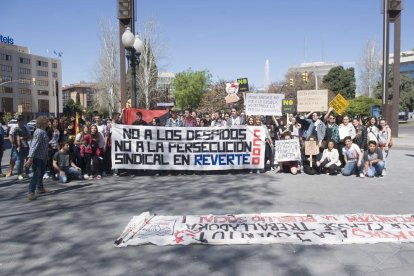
(76, 123)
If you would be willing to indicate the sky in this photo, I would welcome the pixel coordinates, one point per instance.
(231, 39)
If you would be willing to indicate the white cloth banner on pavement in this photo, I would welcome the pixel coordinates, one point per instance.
(187, 148)
(266, 228)
(287, 150)
(266, 104)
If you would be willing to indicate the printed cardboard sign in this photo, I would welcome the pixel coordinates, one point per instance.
(312, 100)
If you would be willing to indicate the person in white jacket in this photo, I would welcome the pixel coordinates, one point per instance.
(329, 162)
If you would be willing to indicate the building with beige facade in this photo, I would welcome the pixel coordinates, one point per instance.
(84, 92)
(28, 83)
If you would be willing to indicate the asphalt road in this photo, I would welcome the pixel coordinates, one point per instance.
(71, 230)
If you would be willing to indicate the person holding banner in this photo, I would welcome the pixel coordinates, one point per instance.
(139, 121)
(314, 127)
(332, 129)
(353, 158)
(173, 121)
(234, 119)
(288, 166)
(329, 162)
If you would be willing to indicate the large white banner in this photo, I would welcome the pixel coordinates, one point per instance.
(266, 104)
(195, 148)
(267, 228)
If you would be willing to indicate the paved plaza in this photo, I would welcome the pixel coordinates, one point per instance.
(71, 230)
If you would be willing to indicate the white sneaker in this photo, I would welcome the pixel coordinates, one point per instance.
(361, 175)
(384, 173)
(46, 176)
(20, 177)
(85, 176)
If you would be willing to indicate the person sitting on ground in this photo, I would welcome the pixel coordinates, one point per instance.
(288, 166)
(329, 162)
(353, 158)
(309, 162)
(374, 161)
(64, 165)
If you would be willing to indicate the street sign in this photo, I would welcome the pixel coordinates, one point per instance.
(339, 104)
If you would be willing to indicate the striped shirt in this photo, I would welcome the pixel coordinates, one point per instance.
(40, 145)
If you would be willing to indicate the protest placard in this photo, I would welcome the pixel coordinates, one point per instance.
(312, 100)
(288, 106)
(163, 148)
(339, 104)
(287, 150)
(311, 148)
(266, 104)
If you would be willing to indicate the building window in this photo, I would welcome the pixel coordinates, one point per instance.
(7, 105)
(25, 81)
(25, 71)
(43, 106)
(5, 78)
(43, 92)
(42, 63)
(25, 91)
(42, 82)
(5, 68)
(5, 57)
(26, 105)
(55, 75)
(54, 65)
(65, 98)
(41, 73)
(24, 60)
(5, 89)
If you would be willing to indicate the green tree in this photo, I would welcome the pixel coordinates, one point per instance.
(71, 108)
(406, 91)
(340, 80)
(361, 106)
(190, 87)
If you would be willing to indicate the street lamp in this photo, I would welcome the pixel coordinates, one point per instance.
(134, 47)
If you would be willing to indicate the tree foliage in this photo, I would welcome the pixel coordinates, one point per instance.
(340, 80)
(71, 108)
(190, 87)
(107, 73)
(361, 106)
(369, 69)
(406, 90)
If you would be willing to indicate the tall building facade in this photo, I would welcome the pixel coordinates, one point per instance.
(28, 82)
(84, 92)
(319, 69)
(406, 63)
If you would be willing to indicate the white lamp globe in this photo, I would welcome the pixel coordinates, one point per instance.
(138, 44)
(128, 38)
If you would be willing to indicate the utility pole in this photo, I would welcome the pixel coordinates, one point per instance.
(392, 13)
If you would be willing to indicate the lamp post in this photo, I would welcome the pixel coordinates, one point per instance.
(134, 47)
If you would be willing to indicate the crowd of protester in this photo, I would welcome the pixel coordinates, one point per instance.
(57, 151)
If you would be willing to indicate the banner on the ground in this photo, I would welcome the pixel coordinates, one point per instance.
(287, 150)
(209, 148)
(266, 104)
(266, 228)
(339, 104)
(312, 100)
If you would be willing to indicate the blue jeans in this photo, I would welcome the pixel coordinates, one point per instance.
(352, 166)
(376, 169)
(71, 172)
(39, 168)
(21, 156)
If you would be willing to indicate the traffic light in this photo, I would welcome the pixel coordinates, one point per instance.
(290, 82)
(305, 77)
